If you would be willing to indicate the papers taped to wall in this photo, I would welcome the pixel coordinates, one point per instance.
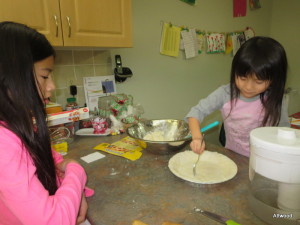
(170, 40)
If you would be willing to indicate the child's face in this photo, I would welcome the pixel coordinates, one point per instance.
(43, 71)
(250, 86)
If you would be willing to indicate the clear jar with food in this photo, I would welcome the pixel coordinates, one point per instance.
(71, 104)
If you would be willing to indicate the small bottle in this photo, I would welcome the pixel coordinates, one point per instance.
(74, 125)
(72, 104)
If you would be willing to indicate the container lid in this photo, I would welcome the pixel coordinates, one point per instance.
(277, 139)
(52, 104)
(71, 99)
(53, 107)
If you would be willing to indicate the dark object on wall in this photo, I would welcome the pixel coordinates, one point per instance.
(121, 73)
(73, 90)
(191, 2)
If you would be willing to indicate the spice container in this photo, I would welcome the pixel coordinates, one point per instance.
(60, 136)
(71, 104)
(74, 125)
(53, 107)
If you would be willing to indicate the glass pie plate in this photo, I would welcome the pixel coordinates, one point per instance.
(212, 167)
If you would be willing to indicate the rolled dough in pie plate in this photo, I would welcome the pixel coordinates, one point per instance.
(212, 167)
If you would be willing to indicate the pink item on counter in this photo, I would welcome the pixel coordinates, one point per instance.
(100, 125)
(88, 192)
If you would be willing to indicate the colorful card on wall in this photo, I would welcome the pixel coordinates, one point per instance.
(170, 40)
(239, 8)
(216, 42)
(228, 44)
(254, 4)
(200, 40)
(249, 33)
(190, 43)
(238, 38)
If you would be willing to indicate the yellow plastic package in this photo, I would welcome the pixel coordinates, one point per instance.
(126, 147)
(61, 147)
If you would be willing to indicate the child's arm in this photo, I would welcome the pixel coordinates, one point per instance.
(196, 145)
(57, 157)
(284, 118)
(194, 126)
(22, 193)
(88, 192)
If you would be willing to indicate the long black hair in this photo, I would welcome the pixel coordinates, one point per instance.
(265, 58)
(22, 110)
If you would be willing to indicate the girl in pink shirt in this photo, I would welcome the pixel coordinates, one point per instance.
(31, 192)
(254, 97)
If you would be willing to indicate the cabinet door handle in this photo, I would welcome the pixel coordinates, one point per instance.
(56, 24)
(69, 23)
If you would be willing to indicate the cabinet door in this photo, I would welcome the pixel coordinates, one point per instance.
(38, 14)
(104, 23)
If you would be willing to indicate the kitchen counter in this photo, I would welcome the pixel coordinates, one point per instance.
(146, 189)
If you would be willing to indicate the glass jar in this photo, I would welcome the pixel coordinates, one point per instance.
(104, 106)
(71, 104)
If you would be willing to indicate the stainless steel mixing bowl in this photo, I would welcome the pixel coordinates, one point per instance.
(175, 135)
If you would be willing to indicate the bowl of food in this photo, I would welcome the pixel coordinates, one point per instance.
(160, 136)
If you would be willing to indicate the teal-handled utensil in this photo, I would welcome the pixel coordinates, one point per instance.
(206, 128)
(220, 219)
(209, 126)
(195, 164)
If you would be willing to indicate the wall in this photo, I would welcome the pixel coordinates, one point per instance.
(72, 65)
(285, 28)
(167, 87)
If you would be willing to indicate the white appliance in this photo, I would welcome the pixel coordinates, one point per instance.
(274, 173)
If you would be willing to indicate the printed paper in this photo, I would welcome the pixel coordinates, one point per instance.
(170, 40)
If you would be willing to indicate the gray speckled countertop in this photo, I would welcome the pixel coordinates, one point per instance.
(146, 189)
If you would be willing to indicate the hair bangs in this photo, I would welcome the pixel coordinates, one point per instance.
(254, 67)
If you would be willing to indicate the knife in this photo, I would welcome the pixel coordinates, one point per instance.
(216, 217)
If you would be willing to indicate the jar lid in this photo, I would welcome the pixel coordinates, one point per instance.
(71, 99)
(277, 139)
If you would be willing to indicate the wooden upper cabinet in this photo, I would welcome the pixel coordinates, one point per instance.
(94, 23)
(38, 14)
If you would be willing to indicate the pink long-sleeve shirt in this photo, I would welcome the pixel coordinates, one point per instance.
(23, 199)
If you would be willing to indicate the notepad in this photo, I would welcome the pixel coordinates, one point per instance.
(92, 157)
(86, 222)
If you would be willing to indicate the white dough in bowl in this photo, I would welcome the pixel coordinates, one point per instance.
(212, 167)
(158, 136)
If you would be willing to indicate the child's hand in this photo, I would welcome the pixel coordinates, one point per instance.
(82, 211)
(196, 146)
(63, 165)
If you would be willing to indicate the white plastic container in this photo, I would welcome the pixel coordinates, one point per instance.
(275, 153)
(274, 168)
